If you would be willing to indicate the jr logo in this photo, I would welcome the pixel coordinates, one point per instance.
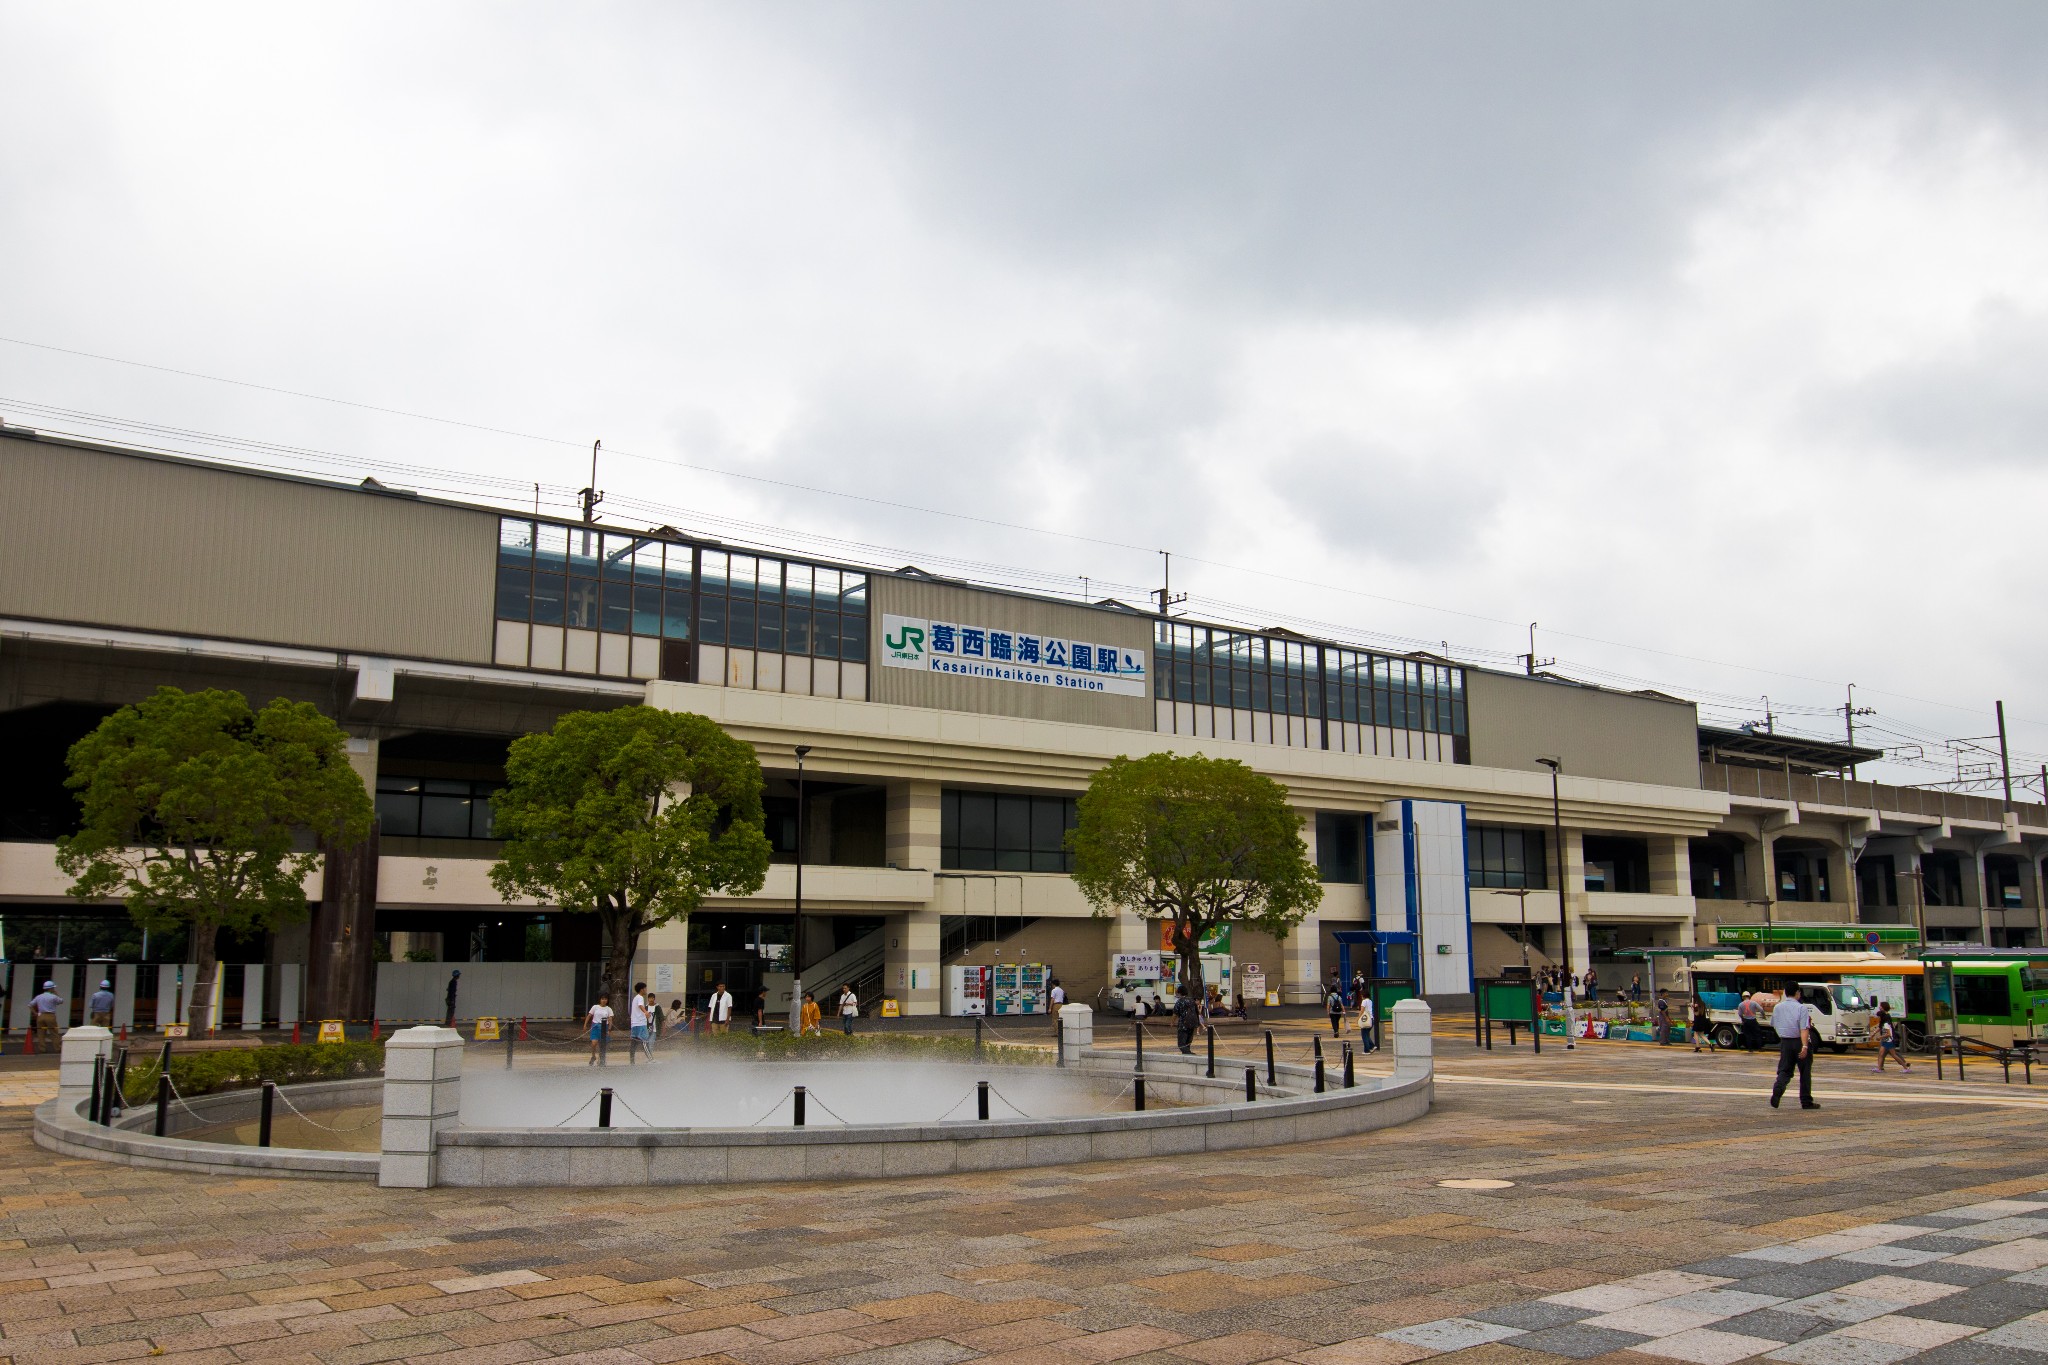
(908, 640)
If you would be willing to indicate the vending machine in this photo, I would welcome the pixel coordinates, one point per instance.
(967, 990)
(1018, 988)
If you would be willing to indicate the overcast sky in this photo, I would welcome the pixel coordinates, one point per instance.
(1710, 336)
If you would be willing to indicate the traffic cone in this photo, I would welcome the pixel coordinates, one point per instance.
(295, 1032)
(376, 1029)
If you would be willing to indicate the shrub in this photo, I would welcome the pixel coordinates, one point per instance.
(242, 1068)
(832, 1044)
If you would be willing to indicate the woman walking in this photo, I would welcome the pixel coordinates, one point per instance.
(1701, 1027)
(1888, 1038)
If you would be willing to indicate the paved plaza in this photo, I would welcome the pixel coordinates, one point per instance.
(1658, 1211)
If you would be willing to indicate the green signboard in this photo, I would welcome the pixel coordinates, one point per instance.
(1817, 935)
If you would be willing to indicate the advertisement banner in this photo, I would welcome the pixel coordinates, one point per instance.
(1215, 941)
(1136, 966)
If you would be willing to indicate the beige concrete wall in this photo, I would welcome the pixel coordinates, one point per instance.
(969, 606)
(1612, 735)
(120, 540)
(1077, 951)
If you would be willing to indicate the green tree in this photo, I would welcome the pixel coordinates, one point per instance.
(194, 812)
(1196, 841)
(634, 815)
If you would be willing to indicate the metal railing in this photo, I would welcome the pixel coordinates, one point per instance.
(1774, 784)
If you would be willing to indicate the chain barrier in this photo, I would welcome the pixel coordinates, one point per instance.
(772, 1109)
(1117, 1096)
(620, 1101)
(377, 1117)
(812, 1096)
(578, 1109)
(1007, 1100)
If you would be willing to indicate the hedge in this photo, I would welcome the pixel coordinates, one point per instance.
(834, 1044)
(244, 1068)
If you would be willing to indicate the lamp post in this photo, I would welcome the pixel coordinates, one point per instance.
(796, 989)
(1564, 927)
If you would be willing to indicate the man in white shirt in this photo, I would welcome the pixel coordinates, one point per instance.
(721, 1008)
(43, 1012)
(1054, 998)
(1793, 1020)
(636, 1019)
(849, 1008)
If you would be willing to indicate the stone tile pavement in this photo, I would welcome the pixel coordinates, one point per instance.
(1656, 1203)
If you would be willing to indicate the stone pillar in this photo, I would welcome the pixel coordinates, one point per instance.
(910, 958)
(1975, 891)
(1301, 965)
(1841, 890)
(422, 1100)
(1670, 865)
(74, 1067)
(1572, 902)
(2036, 890)
(911, 830)
(1077, 1031)
(1413, 1054)
(1130, 934)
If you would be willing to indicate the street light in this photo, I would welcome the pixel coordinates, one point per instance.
(1564, 928)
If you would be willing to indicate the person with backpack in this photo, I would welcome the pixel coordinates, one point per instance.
(1187, 1016)
(1366, 1041)
(1335, 1005)
(1888, 1038)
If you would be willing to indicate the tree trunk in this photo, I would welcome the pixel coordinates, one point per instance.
(623, 928)
(206, 960)
(1190, 940)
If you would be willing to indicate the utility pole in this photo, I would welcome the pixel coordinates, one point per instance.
(1850, 710)
(1529, 660)
(591, 497)
(1167, 600)
(2004, 758)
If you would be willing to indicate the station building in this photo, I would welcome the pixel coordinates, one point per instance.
(950, 727)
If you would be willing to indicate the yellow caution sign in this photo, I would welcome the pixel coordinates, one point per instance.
(331, 1031)
(890, 1009)
(177, 1030)
(487, 1029)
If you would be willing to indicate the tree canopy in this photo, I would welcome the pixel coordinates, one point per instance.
(1200, 842)
(634, 815)
(193, 809)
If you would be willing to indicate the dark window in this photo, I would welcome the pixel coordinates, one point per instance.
(618, 607)
(549, 590)
(989, 831)
(515, 590)
(1615, 864)
(1337, 847)
(434, 807)
(1981, 996)
(1505, 856)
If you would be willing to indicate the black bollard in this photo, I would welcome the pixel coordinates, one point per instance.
(1318, 1042)
(163, 1063)
(121, 1081)
(799, 1107)
(163, 1101)
(1319, 1075)
(511, 1038)
(604, 1107)
(981, 1099)
(1271, 1077)
(99, 1079)
(1350, 1075)
(1251, 1083)
(1138, 1030)
(977, 1036)
(1138, 1093)
(263, 1118)
(1212, 1052)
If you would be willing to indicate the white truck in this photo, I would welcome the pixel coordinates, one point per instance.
(1151, 977)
